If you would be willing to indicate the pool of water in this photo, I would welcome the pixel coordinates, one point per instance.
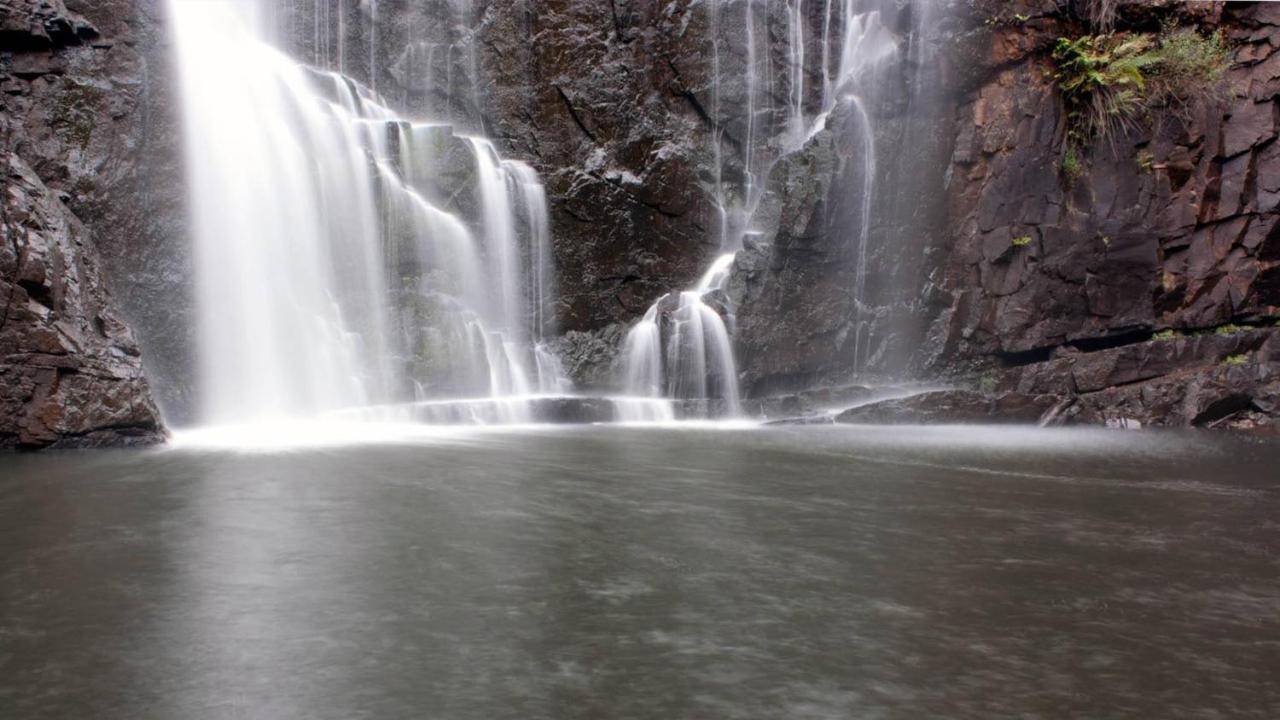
(679, 572)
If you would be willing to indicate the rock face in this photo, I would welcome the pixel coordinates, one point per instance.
(70, 370)
(83, 211)
(952, 406)
(1172, 228)
(1036, 287)
(837, 290)
(604, 99)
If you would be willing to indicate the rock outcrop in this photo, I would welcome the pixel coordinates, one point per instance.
(70, 370)
(1171, 228)
(82, 212)
(1156, 255)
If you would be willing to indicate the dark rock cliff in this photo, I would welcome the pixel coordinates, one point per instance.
(78, 215)
(1145, 287)
(1141, 289)
(70, 371)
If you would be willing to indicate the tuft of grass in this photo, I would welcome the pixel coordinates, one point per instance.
(1165, 335)
(1023, 241)
(1190, 67)
(1234, 360)
(1228, 329)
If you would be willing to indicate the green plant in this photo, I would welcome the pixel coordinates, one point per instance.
(1146, 161)
(1023, 241)
(1189, 67)
(1228, 329)
(1072, 167)
(1102, 78)
(1109, 81)
(1165, 335)
(998, 20)
(1233, 360)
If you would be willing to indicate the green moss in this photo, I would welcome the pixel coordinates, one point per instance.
(1146, 161)
(1234, 360)
(1023, 241)
(1072, 166)
(1229, 329)
(1016, 18)
(1165, 335)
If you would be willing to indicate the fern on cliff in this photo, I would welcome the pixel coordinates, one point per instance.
(1111, 81)
(1103, 78)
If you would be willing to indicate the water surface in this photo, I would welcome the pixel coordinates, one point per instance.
(605, 572)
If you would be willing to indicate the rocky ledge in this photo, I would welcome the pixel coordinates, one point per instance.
(1228, 377)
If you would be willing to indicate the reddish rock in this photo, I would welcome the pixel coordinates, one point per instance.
(70, 371)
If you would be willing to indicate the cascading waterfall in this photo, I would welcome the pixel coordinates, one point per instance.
(330, 276)
(682, 346)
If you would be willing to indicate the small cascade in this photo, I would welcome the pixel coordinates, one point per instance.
(347, 257)
(682, 348)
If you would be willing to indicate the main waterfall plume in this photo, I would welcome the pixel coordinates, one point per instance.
(339, 267)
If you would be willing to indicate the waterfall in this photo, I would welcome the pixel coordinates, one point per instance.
(682, 347)
(796, 70)
(864, 227)
(340, 262)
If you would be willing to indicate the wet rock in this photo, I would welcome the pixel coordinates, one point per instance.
(1168, 227)
(92, 113)
(41, 25)
(803, 420)
(806, 404)
(1210, 396)
(70, 370)
(592, 359)
(605, 104)
(953, 406)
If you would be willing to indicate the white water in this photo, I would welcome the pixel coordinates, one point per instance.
(330, 275)
(682, 347)
(337, 268)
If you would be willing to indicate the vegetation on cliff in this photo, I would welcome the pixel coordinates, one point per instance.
(1111, 81)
